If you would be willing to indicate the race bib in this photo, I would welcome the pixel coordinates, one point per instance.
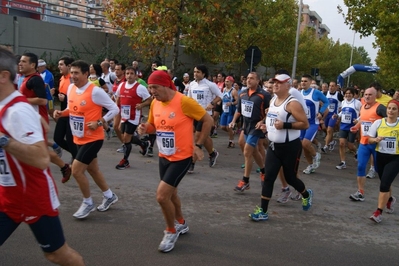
(308, 112)
(246, 108)
(125, 112)
(77, 124)
(199, 96)
(388, 145)
(270, 119)
(346, 117)
(331, 107)
(6, 177)
(225, 108)
(365, 128)
(166, 142)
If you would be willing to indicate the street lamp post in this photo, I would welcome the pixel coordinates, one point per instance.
(298, 27)
(350, 61)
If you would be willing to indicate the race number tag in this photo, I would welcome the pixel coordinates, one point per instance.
(246, 108)
(225, 107)
(199, 96)
(346, 117)
(365, 128)
(6, 177)
(270, 120)
(331, 107)
(166, 142)
(307, 112)
(77, 124)
(125, 112)
(388, 145)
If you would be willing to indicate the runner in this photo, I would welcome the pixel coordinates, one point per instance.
(207, 94)
(131, 97)
(27, 190)
(170, 115)
(85, 103)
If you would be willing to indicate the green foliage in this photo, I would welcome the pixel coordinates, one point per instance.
(216, 30)
(382, 19)
(331, 58)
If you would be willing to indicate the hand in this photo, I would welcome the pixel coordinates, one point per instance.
(278, 124)
(142, 129)
(57, 114)
(334, 116)
(198, 154)
(209, 107)
(93, 125)
(52, 91)
(61, 97)
(138, 106)
(378, 139)
(354, 129)
(232, 124)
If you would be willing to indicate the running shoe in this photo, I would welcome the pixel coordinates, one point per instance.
(243, 166)
(332, 144)
(213, 157)
(107, 202)
(123, 164)
(310, 169)
(307, 203)
(371, 173)
(357, 196)
(390, 204)
(84, 211)
(214, 135)
(121, 149)
(319, 147)
(316, 160)
(58, 151)
(181, 229)
(191, 169)
(284, 196)
(150, 152)
(66, 173)
(376, 217)
(168, 241)
(297, 196)
(231, 144)
(258, 170)
(324, 149)
(341, 166)
(258, 215)
(242, 186)
(145, 147)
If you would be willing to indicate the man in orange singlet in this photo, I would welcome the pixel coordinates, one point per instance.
(170, 114)
(85, 103)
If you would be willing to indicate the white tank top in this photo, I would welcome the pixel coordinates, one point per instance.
(280, 113)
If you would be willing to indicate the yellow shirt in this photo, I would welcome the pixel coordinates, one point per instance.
(384, 99)
(390, 141)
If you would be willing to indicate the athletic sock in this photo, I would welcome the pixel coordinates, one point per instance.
(246, 179)
(107, 193)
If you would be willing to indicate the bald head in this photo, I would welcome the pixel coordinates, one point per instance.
(370, 95)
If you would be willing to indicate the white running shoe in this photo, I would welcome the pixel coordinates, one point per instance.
(84, 211)
(168, 241)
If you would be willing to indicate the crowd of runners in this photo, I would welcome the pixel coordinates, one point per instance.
(270, 120)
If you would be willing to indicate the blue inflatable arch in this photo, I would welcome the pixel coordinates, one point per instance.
(361, 68)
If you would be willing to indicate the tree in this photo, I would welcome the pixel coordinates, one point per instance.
(216, 30)
(382, 19)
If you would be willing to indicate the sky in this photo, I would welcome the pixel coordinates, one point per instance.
(327, 10)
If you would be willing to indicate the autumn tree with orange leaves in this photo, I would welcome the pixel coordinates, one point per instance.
(216, 30)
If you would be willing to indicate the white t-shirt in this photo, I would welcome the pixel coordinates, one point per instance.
(204, 91)
(21, 121)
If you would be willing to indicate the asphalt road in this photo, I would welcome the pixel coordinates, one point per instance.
(335, 231)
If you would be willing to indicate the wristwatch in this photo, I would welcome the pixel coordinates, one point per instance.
(4, 140)
(100, 123)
